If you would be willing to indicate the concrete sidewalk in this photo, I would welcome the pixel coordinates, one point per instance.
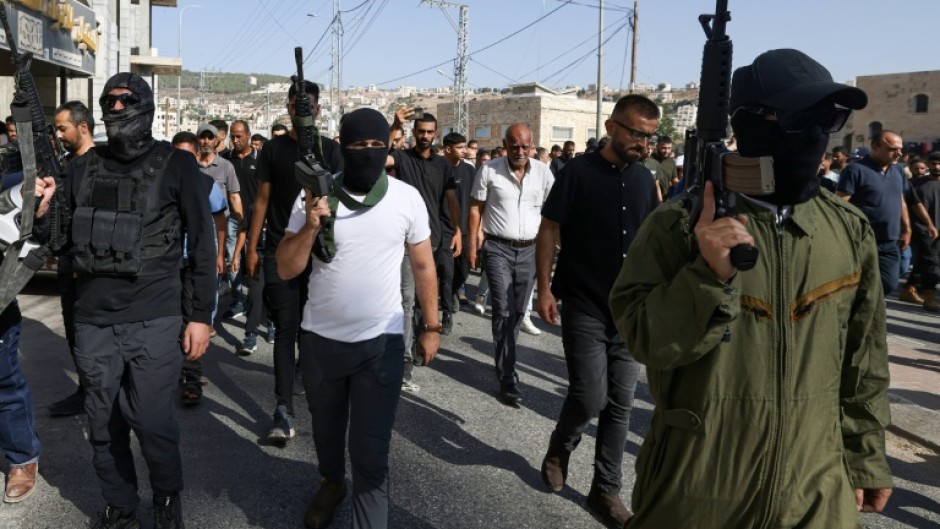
(914, 350)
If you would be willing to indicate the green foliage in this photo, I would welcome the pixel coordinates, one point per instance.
(667, 124)
(229, 83)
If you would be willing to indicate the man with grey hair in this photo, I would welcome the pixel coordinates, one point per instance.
(507, 198)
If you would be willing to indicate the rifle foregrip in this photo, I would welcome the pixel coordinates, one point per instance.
(744, 256)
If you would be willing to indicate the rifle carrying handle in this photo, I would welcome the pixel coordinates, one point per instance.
(744, 256)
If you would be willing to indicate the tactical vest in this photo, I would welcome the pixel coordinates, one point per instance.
(118, 228)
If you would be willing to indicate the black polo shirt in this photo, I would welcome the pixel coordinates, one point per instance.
(246, 170)
(463, 180)
(432, 178)
(276, 165)
(600, 209)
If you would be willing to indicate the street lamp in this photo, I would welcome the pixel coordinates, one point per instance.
(179, 80)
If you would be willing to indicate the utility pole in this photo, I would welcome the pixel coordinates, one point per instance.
(636, 21)
(462, 26)
(600, 60)
(336, 79)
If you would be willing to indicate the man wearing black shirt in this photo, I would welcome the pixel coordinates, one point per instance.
(431, 176)
(127, 309)
(455, 147)
(277, 191)
(244, 159)
(596, 207)
(567, 154)
(75, 127)
(926, 274)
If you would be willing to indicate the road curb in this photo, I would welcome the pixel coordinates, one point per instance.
(914, 422)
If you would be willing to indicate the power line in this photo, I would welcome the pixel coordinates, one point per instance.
(567, 68)
(484, 48)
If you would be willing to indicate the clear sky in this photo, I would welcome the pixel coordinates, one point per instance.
(551, 41)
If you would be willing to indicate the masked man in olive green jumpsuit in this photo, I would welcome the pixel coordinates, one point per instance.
(770, 384)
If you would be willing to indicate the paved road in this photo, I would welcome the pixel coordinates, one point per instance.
(460, 459)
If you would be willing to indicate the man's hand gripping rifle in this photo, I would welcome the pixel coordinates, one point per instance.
(705, 151)
(41, 157)
(309, 171)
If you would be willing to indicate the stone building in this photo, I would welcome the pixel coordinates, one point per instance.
(903, 102)
(554, 116)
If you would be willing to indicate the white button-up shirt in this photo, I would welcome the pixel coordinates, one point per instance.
(513, 209)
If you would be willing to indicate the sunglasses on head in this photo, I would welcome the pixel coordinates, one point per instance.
(127, 99)
(830, 118)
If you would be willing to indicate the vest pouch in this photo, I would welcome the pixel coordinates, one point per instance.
(84, 259)
(126, 243)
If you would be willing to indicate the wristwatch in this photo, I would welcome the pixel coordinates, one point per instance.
(432, 328)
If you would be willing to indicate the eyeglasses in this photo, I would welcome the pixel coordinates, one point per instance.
(638, 135)
(127, 99)
(829, 118)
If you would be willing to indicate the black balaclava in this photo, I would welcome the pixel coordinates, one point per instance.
(796, 155)
(129, 131)
(363, 167)
(794, 89)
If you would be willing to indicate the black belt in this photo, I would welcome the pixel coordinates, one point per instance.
(507, 242)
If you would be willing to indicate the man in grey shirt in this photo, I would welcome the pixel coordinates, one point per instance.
(220, 169)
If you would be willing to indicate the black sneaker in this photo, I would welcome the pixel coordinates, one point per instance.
(281, 430)
(271, 330)
(112, 518)
(510, 395)
(447, 322)
(167, 512)
(249, 345)
(74, 404)
(237, 309)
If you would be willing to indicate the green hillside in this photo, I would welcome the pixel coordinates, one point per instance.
(229, 83)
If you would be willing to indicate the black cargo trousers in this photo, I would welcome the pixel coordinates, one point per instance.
(130, 373)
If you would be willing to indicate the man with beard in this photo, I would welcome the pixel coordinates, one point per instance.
(567, 154)
(667, 164)
(507, 195)
(840, 158)
(875, 185)
(760, 418)
(351, 352)
(140, 195)
(432, 177)
(926, 194)
(277, 190)
(595, 209)
(75, 127)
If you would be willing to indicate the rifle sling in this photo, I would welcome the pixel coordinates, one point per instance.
(14, 274)
(373, 197)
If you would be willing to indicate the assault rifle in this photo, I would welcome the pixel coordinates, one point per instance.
(705, 151)
(309, 171)
(39, 158)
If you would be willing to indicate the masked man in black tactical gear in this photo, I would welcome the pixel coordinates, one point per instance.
(129, 211)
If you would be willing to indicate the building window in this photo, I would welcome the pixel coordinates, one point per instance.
(592, 133)
(562, 133)
(502, 131)
(874, 129)
(446, 130)
(920, 103)
(481, 133)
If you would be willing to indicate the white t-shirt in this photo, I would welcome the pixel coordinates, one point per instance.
(357, 296)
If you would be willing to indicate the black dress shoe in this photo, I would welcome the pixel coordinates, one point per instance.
(510, 394)
(447, 323)
(74, 404)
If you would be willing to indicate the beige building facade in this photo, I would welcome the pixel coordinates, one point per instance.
(554, 117)
(908, 103)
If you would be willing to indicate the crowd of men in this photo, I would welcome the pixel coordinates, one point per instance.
(747, 395)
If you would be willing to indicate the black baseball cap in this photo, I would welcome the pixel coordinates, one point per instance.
(790, 80)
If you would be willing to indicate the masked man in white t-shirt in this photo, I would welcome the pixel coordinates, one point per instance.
(351, 342)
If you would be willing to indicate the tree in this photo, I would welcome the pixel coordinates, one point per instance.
(667, 125)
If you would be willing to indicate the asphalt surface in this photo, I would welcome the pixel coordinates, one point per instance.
(459, 458)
